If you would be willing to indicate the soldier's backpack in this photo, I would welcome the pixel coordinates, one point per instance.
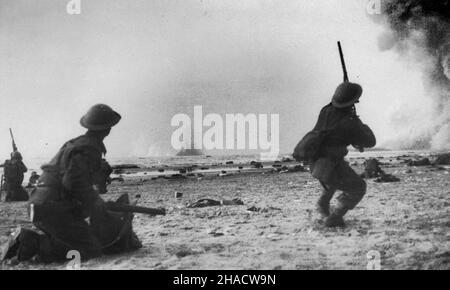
(309, 146)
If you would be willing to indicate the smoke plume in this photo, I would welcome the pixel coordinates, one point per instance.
(421, 29)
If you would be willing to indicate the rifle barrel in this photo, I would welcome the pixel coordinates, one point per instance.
(344, 68)
(13, 142)
(120, 207)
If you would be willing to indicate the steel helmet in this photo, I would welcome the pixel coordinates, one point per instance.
(346, 95)
(100, 117)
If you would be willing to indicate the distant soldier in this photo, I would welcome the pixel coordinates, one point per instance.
(14, 171)
(343, 128)
(67, 209)
(33, 179)
(103, 177)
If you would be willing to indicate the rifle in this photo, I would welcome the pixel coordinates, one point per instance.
(344, 68)
(120, 207)
(13, 142)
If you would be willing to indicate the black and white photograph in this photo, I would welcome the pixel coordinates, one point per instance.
(222, 135)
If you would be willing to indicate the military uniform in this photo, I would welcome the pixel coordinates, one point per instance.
(32, 181)
(329, 167)
(14, 173)
(103, 177)
(67, 209)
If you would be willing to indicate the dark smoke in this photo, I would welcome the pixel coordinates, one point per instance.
(423, 28)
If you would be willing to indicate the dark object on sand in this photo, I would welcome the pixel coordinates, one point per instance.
(120, 179)
(286, 159)
(125, 166)
(256, 164)
(443, 159)
(229, 162)
(387, 178)
(297, 168)
(211, 202)
(121, 207)
(161, 170)
(177, 176)
(263, 209)
(182, 171)
(372, 169)
(178, 194)
(421, 162)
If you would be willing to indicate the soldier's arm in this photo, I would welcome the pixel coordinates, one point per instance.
(78, 179)
(362, 135)
(23, 168)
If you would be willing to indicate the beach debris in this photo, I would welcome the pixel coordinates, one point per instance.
(240, 167)
(204, 168)
(229, 162)
(387, 178)
(372, 169)
(205, 202)
(286, 159)
(216, 232)
(420, 162)
(262, 209)
(443, 159)
(125, 166)
(297, 168)
(222, 173)
(178, 194)
(175, 176)
(256, 164)
(120, 179)
(161, 170)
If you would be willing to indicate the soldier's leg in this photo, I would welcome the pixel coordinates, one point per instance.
(353, 189)
(323, 204)
(23, 243)
(64, 231)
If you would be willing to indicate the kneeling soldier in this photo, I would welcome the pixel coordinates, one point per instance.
(67, 209)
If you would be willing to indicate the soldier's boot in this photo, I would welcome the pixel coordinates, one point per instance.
(23, 244)
(335, 219)
(323, 204)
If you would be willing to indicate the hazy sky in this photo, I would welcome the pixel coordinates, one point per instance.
(152, 59)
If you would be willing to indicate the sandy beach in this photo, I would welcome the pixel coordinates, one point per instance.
(407, 222)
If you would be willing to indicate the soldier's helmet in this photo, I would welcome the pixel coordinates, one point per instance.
(346, 95)
(100, 117)
(16, 155)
